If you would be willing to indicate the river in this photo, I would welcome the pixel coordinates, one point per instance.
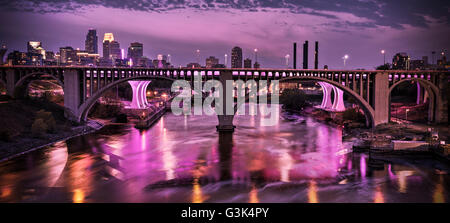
(184, 159)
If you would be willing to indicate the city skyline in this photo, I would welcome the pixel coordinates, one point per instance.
(179, 32)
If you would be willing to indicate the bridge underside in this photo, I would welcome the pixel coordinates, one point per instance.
(370, 88)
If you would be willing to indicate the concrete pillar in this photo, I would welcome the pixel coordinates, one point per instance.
(338, 103)
(10, 82)
(326, 98)
(72, 94)
(139, 94)
(381, 98)
(442, 100)
(226, 119)
(420, 94)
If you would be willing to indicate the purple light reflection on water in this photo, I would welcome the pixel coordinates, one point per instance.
(183, 159)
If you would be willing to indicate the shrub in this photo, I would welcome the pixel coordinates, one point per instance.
(47, 117)
(5, 136)
(39, 128)
(293, 99)
(353, 114)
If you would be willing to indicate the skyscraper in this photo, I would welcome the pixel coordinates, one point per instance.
(236, 57)
(305, 55)
(3, 50)
(400, 61)
(91, 43)
(107, 39)
(295, 56)
(211, 62)
(316, 56)
(67, 55)
(248, 63)
(135, 52)
(111, 48)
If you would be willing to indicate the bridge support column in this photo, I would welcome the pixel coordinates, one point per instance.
(381, 98)
(10, 83)
(326, 99)
(139, 94)
(72, 94)
(226, 119)
(338, 103)
(442, 105)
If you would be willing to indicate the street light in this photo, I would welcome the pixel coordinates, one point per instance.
(226, 60)
(256, 55)
(407, 110)
(384, 56)
(287, 60)
(345, 58)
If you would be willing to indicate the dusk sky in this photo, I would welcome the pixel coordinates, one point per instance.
(359, 28)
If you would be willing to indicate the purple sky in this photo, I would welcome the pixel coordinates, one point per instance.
(359, 28)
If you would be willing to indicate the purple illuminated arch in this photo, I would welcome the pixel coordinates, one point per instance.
(139, 88)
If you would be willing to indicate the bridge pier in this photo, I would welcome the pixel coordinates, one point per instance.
(139, 94)
(442, 107)
(10, 82)
(72, 94)
(338, 103)
(226, 118)
(326, 98)
(380, 99)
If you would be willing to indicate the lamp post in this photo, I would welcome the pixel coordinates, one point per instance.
(345, 59)
(287, 60)
(384, 56)
(226, 60)
(407, 110)
(256, 55)
(198, 56)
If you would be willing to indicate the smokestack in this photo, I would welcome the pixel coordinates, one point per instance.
(295, 55)
(316, 56)
(305, 55)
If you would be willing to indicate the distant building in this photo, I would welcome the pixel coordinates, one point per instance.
(111, 48)
(219, 66)
(401, 61)
(35, 53)
(236, 57)
(193, 65)
(17, 58)
(248, 63)
(3, 50)
(211, 62)
(135, 52)
(91, 43)
(67, 55)
(417, 65)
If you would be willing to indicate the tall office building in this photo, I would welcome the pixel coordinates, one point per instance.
(91, 43)
(305, 55)
(3, 50)
(401, 61)
(211, 62)
(111, 48)
(236, 57)
(67, 55)
(248, 63)
(316, 56)
(107, 39)
(135, 52)
(295, 55)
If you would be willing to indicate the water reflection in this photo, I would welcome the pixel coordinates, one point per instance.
(183, 159)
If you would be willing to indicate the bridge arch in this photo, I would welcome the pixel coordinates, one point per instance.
(23, 83)
(432, 90)
(369, 112)
(87, 105)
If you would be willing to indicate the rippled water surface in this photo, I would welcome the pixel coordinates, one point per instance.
(184, 159)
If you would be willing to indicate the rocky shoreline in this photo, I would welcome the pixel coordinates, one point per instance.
(12, 149)
(378, 142)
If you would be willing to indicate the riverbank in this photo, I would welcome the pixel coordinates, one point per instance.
(380, 141)
(18, 131)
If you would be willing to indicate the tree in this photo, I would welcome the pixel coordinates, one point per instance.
(384, 67)
(293, 99)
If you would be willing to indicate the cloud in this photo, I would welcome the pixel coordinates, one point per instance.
(395, 14)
